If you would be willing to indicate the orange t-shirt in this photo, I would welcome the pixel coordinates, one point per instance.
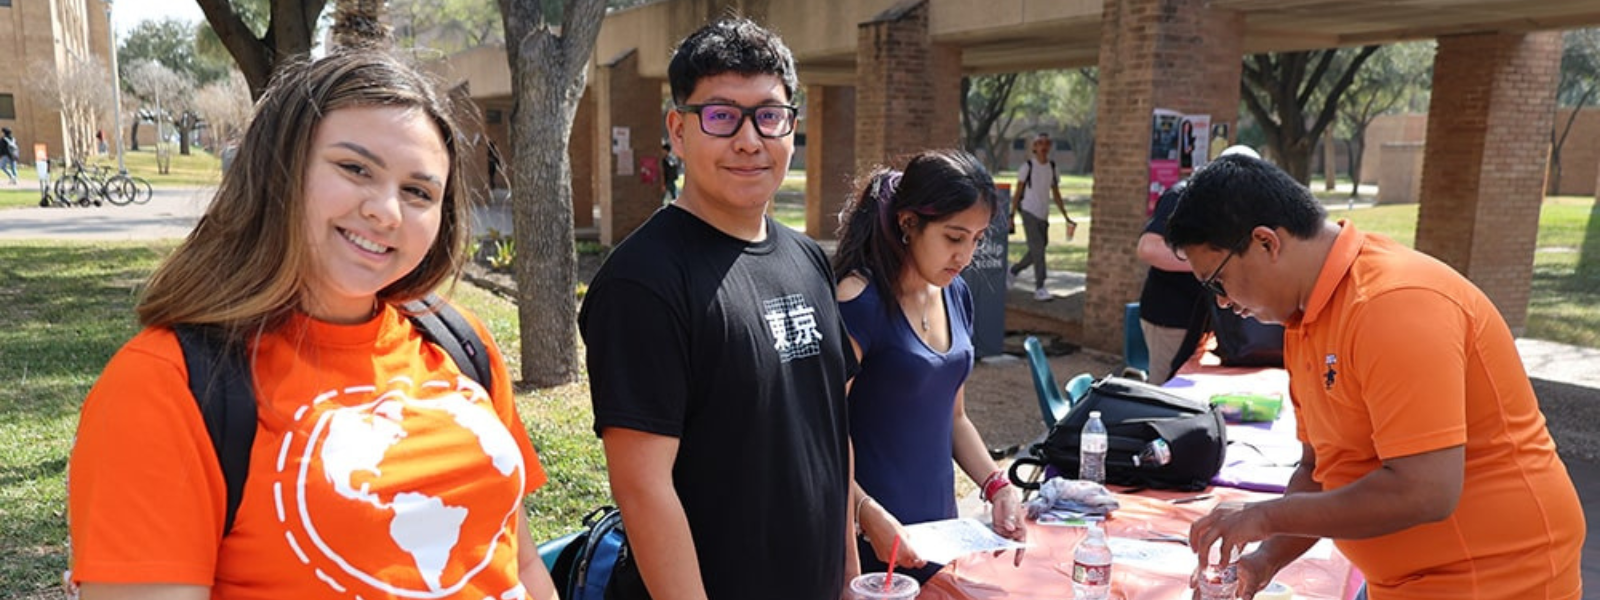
(1396, 354)
(378, 471)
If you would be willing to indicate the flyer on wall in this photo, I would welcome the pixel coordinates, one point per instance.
(1179, 144)
(1164, 152)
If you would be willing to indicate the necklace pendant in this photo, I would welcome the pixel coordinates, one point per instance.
(924, 323)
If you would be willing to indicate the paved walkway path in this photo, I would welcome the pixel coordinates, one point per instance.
(169, 214)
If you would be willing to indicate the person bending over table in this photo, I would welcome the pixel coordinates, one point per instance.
(903, 243)
(1425, 458)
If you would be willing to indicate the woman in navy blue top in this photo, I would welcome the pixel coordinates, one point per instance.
(903, 243)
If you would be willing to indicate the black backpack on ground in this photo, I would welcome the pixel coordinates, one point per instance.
(598, 563)
(219, 378)
(1136, 414)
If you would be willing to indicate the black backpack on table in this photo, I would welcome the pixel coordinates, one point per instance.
(1135, 414)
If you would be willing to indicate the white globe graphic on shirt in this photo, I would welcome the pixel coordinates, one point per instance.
(407, 469)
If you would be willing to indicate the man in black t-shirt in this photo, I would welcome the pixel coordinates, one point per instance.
(717, 359)
(1174, 311)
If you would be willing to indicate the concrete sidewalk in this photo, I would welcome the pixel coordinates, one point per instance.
(171, 213)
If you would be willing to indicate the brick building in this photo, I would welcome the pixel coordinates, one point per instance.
(1579, 162)
(49, 35)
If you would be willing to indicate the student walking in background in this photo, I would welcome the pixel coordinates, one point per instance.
(377, 470)
(1038, 184)
(903, 242)
(8, 154)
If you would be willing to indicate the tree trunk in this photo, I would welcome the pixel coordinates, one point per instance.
(185, 125)
(133, 138)
(1330, 164)
(548, 74)
(1358, 145)
(288, 37)
(1278, 89)
(1557, 141)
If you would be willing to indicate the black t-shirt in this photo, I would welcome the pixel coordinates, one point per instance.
(1171, 298)
(736, 349)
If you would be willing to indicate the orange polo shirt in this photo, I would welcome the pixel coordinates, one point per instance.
(378, 471)
(1396, 354)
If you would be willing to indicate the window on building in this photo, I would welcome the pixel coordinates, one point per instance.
(8, 104)
(492, 116)
(5, 3)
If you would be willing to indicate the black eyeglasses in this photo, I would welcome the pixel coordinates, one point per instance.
(724, 120)
(1211, 284)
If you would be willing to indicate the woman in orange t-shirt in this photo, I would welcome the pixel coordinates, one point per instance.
(377, 470)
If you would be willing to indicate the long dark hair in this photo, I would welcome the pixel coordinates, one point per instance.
(936, 185)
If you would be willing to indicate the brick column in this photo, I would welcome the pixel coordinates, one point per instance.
(908, 89)
(830, 156)
(1175, 54)
(626, 100)
(581, 151)
(1484, 165)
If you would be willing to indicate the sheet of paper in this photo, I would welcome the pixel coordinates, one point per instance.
(944, 541)
(1160, 557)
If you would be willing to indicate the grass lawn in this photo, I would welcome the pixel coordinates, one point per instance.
(198, 169)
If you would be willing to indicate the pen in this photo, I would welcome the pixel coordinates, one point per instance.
(1190, 499)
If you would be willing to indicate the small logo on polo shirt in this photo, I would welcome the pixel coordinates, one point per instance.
(1327, 378)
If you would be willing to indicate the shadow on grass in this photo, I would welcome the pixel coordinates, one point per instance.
(1589, 252)
(1565, 292)
(14, 474)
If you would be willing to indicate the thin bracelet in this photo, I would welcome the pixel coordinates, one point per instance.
(864, 498)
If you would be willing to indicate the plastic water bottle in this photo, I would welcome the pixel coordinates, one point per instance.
(1091, 567)
(1157, 453)
(1092, 450)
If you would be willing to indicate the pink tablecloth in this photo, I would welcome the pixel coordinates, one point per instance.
(1145, 568)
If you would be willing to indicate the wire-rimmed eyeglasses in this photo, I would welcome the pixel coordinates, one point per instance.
(1211, 284)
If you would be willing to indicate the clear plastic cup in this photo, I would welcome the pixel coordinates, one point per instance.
(1219, 583)
(870, 586)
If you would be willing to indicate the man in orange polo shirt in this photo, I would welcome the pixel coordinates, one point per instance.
(1426, 458)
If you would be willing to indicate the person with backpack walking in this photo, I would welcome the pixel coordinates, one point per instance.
(8, 154)
(717, 358)
(1037, 184)
(380, 464)
(670, 165)
(903, 242)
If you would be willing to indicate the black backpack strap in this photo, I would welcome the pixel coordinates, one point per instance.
(219, 379)
(441, 324)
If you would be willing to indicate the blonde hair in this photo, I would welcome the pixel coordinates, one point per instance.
(243, 267)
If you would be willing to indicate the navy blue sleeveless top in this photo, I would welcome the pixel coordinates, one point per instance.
(901, 405)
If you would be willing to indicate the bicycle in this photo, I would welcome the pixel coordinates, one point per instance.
(79, 186)
(122, 189)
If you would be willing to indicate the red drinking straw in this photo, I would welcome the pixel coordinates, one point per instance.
(888, 575)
